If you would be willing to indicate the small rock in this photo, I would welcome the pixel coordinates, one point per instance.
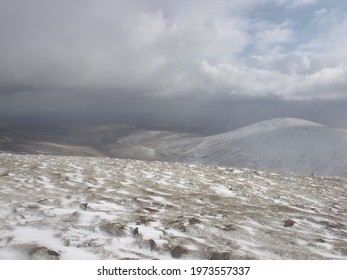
(194, 221)
(152, 244)
(43, 253)
(43, 200)
(53, 253)
(84, 206)
(151, 210)
(289, 223)
(76, 214)
(320, 240)
(136, 231)
(219, 256)
(9, 239)
(178, 251)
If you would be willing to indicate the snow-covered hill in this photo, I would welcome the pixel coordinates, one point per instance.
(54, 207)
(290, 145)
(286, 144)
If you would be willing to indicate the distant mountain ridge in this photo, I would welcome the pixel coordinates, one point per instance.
(282, 144)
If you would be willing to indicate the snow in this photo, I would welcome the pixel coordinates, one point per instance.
(289, 145)
(283, 144)
(89, 208)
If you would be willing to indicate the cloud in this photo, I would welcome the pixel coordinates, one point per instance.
(295, 3)
(269, 35)
(171, 48)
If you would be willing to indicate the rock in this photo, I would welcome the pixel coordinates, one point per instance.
(320, 240)
(178, 251)
(152, 244)
(76, 214)
(151, 210)
(194, 221)
(53, 253)
(44, 200)
(289, 223)
(84, 206)
(43, 253)
(114, 229)
(136, 231)
(219, 256)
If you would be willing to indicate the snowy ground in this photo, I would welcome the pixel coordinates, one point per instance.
(54, 207)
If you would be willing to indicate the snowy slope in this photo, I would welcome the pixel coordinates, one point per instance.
(286, 144)
(54, 207)
(280, 144)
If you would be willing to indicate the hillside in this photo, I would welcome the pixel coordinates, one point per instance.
(285, 144)
(289, 145)
(54, 207)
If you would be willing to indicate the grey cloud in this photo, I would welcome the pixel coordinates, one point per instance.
(159, 48)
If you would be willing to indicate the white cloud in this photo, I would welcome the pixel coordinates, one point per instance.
(228, 79)
(295, 3)
(270, 36)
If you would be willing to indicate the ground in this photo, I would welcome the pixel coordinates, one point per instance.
(59, 207)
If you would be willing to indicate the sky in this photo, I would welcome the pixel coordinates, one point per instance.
(284, 50)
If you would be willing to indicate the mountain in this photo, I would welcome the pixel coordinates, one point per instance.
(285, 144)
(59, 207)
(290, 145)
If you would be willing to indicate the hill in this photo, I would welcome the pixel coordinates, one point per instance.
(289, 145)
(285, 144)
(54, 207)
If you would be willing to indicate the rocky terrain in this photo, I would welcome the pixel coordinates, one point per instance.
(58, 207)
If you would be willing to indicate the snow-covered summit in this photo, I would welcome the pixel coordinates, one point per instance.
(290, 145)
(274, 124)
